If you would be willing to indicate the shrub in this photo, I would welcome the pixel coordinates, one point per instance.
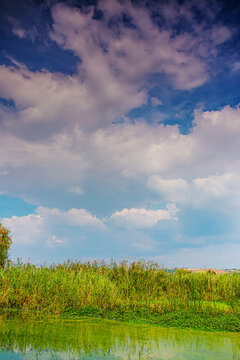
(5, 243)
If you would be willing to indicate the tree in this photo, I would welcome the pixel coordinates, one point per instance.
(5, 243)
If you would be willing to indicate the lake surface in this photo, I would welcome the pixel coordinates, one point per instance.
(40, 338)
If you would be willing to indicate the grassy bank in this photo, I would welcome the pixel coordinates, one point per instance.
(139, 292)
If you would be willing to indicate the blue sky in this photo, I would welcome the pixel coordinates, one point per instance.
(120, 130)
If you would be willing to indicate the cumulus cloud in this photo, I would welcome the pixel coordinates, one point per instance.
(48, 102)
(48, 166)
(175, 190)
(200, 191)
(115, 63)
(125, 55)
(25, 229)
(168, 162)
(58, 140)
(39, 226)
(74, 217)
(143, 218)
(219, 186)
(42, 226)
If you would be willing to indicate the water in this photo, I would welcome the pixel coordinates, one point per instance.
(52, 338)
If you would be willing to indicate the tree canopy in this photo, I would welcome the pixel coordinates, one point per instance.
(5, 243)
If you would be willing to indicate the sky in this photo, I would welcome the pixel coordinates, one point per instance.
(120, 130)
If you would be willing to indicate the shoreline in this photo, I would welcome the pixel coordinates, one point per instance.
(178, 320)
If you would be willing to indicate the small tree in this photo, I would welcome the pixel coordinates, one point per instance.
(5, 243)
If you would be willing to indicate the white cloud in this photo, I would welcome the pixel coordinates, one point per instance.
(73, 217)
(25, 229)
(142, 149)
(219, 186)
(60, 133)
(50, 167)
(114, 54)
(200, 191)
(176, 190)
(39, 226)
(143, 218)
(110, 79)
(156, 101)
(211, 171)
(159, 156)
(45, 100)
(60, 138)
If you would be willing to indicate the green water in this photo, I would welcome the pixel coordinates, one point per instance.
(53, 338)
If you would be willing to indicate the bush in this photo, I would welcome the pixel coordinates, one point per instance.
(5, 243)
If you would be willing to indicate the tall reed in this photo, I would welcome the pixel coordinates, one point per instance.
(142, 286)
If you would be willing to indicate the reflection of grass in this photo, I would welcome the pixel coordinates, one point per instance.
(138, 292)
(98, 339)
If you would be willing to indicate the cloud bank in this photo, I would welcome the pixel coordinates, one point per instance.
(63, 150)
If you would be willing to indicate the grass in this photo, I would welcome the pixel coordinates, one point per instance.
(138, 292)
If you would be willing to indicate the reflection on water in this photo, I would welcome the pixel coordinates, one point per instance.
(53, 338)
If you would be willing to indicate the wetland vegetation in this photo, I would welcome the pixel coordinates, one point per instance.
(137, 292)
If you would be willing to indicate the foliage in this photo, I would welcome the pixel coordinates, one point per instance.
(135, 291)
(5, 243)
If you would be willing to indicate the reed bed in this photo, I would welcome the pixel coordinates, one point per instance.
(137, 290)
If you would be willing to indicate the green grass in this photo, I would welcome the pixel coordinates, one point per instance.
(138, 291)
